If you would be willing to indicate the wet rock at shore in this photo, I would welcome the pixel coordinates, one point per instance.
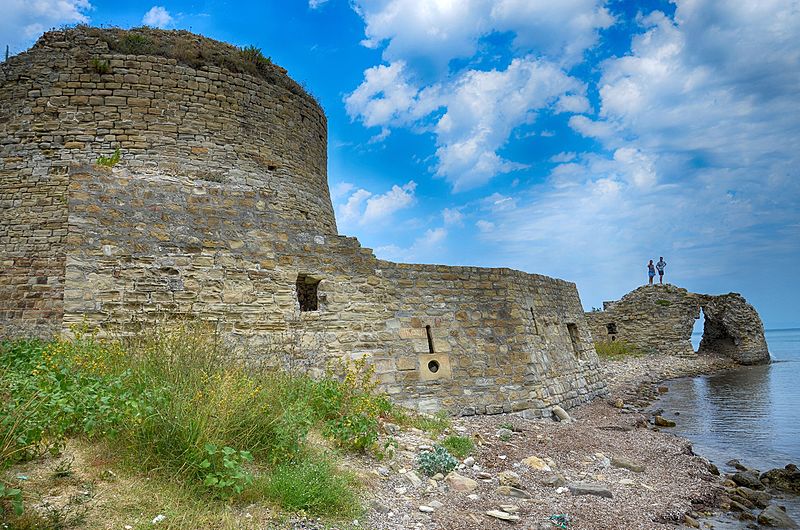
(661, 421)
(786, 479)
(748, 479)
(758, 498)
(775, 517)
(588, 488)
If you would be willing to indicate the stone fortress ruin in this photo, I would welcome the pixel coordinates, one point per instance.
(219, 211)
(660, 318)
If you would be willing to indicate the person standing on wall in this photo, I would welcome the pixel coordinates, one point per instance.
(660, 266)
(651, 271)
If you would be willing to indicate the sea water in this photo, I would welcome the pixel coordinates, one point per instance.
(750, 413)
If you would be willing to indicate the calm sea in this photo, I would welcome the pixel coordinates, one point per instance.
(750, 413)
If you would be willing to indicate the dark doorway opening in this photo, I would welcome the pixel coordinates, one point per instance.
(307, 292)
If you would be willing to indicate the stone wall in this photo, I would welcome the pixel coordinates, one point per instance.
(660, 319)
(150, 258)
(219, 211)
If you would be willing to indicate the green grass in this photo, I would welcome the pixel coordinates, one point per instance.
(617, 349)
(312, 485)
(459, 446)
(175, 403)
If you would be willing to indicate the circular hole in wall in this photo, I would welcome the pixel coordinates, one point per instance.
(433, 366)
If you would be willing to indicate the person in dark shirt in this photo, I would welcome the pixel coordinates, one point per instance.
(660, 267)
(651, 271)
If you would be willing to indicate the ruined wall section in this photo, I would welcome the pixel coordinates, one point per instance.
(657, 318)
(562, 366)
(660, 319)
(453, 338)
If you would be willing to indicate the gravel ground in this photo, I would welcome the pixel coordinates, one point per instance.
(674, 481)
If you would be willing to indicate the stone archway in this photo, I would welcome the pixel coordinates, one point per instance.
(733, 328)
(660, 319)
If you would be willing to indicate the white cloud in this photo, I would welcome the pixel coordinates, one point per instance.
(380, 207)
(472, 111)
(352, 208)
(484, 226)
(157, 17)
(481, 109)
(364, 208)
(434, 32)
(340, 189)
(429, 247)
(563, 157)
(23, 21)
(314, 4)
(452, 216)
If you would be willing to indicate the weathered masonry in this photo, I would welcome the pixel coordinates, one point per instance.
(660, 318)
(219, 210)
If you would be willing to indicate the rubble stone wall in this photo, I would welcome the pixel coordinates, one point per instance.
(219, 209)
(660, 319)
(151, 258)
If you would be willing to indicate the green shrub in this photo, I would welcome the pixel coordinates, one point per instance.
(101, 67)
(459, 446)
(663, 303)
(133, 43)
(177, 402)
(110, 161)
(616, 349)
(312, 485)
(436, 424)
(253, 55)
(223, 470)
(437, 461)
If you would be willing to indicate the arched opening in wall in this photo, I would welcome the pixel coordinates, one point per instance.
(716, 337)
(574, 339)
(612, 330)
(430, 344)
(697, 330)
(307, 292)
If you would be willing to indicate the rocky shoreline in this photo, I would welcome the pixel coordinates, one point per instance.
(610, 466)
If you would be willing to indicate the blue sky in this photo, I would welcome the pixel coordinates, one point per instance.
(576, 139)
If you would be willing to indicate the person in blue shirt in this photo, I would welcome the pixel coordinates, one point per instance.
(660, 267)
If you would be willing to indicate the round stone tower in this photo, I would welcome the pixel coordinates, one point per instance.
(173, 103)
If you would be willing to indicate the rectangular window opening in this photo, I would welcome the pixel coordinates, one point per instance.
(307, 295)
(574, 338)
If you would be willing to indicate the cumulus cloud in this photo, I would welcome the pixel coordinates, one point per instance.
(481, 109)
(452, 216)
(437, 31)
(429, 247)
(380, 207)
(24, 21)
(157, 17)
(363, 207)
(472, 112)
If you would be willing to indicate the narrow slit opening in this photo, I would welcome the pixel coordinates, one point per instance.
(430, 339)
